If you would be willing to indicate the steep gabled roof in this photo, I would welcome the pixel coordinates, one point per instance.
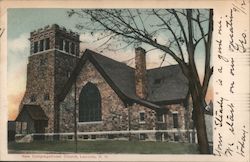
(34, 111)
(167, 84)
(171, 87)
(119, 73)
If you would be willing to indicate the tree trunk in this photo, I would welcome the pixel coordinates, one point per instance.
(199, 121)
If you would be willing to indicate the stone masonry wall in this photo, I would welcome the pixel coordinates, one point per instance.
(149, 121)
(180, 110)
(49, 68)
(64, 65)
(40, 82)
(114, 114)
(182, 131)
(47, 73)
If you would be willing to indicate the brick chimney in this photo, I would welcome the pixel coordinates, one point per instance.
(140, 73)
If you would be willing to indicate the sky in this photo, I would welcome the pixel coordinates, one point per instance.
(22, 21)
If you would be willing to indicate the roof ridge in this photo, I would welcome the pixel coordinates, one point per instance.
(98, 54)
(177, 65)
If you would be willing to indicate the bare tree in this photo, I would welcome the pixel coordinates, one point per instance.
(187, 33)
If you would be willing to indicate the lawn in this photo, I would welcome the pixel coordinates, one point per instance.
(107, 146)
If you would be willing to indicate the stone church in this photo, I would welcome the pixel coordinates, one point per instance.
(103, 98)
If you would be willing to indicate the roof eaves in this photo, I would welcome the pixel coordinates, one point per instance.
(28, 108)
(144, 103)
(169, 102)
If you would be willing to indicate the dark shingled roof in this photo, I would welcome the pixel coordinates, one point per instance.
(121, 74)
(34, 111)
(166, 84)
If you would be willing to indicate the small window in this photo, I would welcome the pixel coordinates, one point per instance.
(142, 117)
(175, 120)
(72, 48)
(24, 126)
(142, 136)
(35, 47)
(157, 81)
(111, 136)
(68, 74)
(67, 46)
(32, 98)
(85, 137)
(70, 137)
(60, 44)
(46, 97)
(160, 117)
(176, 137)
(93, 136)
(47, 44)
(41, 45)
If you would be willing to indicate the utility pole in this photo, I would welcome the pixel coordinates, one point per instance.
(75, 119)
(129, 123)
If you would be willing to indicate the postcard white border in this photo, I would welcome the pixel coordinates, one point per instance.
(219, 6)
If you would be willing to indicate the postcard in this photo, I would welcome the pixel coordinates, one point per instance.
(110, 80)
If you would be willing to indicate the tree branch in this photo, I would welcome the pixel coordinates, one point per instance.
(144, 38)
(208, 70)
(172, 32)
(180, 24)
(190, 49)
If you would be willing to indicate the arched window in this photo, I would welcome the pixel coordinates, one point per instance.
(61, 44)
(66, 46)
(35, 47)
(41, 45)
(72, 48)
(47, 44)
(89, 103)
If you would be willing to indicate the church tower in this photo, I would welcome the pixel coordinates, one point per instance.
(54, 53)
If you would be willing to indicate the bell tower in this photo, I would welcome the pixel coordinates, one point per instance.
(54, 53)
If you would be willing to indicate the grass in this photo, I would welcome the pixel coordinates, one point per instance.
(107, 146)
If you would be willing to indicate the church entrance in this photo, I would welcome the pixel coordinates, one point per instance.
(40, 126)
(33, 120)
